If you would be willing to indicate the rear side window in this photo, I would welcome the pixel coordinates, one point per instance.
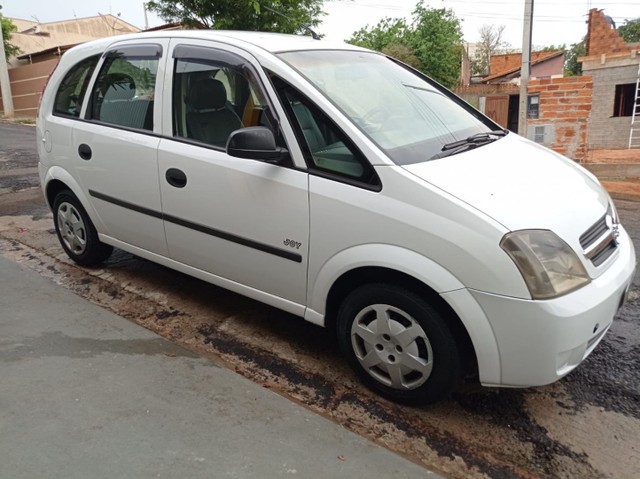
(71, 92)
(124, 91)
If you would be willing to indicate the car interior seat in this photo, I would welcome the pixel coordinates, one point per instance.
(210, 119)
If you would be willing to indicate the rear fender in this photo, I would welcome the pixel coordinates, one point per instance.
(60, 174)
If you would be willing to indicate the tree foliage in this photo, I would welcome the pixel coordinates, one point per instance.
(490, 43)
(430, 43)
(389, 31)
(284, 16)
(630, 31)
(553, 48)
(572, 67)
(7, 29)
(402, 53)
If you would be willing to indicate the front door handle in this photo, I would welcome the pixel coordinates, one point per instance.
(84, 151)
(176, 177)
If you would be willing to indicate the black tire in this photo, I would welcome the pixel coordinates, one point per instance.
(384, 359)
(76, 232)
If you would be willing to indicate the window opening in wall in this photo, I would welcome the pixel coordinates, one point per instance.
(623, 102)
(539, 134)
(533, 106)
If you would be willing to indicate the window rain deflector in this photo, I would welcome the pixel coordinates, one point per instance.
(198, 54)
(140, 50)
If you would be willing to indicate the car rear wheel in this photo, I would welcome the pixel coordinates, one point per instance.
(76, 232)
(398, 344)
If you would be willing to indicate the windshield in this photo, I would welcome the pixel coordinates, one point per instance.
(407, 117)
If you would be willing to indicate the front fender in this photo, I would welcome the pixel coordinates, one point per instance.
(383, 256)
(428, 272)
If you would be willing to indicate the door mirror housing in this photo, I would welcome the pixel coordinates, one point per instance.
(255, 143)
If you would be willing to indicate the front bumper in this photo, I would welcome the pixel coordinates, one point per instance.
(541, 341)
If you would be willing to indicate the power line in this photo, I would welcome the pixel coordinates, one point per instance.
(461, 13)
(510, 3)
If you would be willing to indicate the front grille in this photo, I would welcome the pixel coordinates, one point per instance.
(599, 241)
(592, 234)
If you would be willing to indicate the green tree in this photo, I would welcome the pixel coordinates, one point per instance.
(630, 31)
(572, 67)
(402, 53)
(437, 37)
(553, 48)
(389, 31)
(284, 16)
(434, 38)
(7, 29)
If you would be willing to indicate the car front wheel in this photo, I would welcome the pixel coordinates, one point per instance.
(398, 344)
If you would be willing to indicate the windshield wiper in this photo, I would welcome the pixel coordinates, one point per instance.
(469, 143)
(477, 138)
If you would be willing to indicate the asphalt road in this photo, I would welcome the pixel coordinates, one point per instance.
(586, 425)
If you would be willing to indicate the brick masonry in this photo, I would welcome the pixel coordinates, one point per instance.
(565, 106)
(602, 37)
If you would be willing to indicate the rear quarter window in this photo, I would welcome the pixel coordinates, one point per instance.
(70, 94)
(124, 92)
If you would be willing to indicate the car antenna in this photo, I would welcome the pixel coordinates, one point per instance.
(306, 27)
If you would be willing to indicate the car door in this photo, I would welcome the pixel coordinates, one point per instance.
(117, 144)
(244, 221)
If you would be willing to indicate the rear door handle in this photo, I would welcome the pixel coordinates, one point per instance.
(176, 177)
(84, 151)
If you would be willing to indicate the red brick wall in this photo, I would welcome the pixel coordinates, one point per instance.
(482, 89)
(565, 103)
(601, 37)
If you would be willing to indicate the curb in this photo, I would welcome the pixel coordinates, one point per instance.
(622, 190)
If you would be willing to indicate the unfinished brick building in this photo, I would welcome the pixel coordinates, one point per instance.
(587, 118)
(614, 67)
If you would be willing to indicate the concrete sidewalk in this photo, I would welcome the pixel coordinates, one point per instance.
(87, 394)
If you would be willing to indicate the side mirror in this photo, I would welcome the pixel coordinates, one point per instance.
(255, 143)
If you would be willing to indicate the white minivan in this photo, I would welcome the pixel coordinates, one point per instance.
(344, 187)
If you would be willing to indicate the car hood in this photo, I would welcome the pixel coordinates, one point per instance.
(521, 185)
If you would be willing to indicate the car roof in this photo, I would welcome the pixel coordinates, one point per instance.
(252, 41)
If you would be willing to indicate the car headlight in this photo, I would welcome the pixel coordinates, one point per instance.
(550, 268)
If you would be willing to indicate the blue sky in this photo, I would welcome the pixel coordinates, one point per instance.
(555, 21)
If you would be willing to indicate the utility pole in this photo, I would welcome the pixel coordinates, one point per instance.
(146, 21)
(5, 84)
(525, 69)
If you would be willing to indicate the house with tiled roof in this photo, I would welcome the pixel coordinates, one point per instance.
(41, 46)
(497, 94)
(506, 67)
(43, 41)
